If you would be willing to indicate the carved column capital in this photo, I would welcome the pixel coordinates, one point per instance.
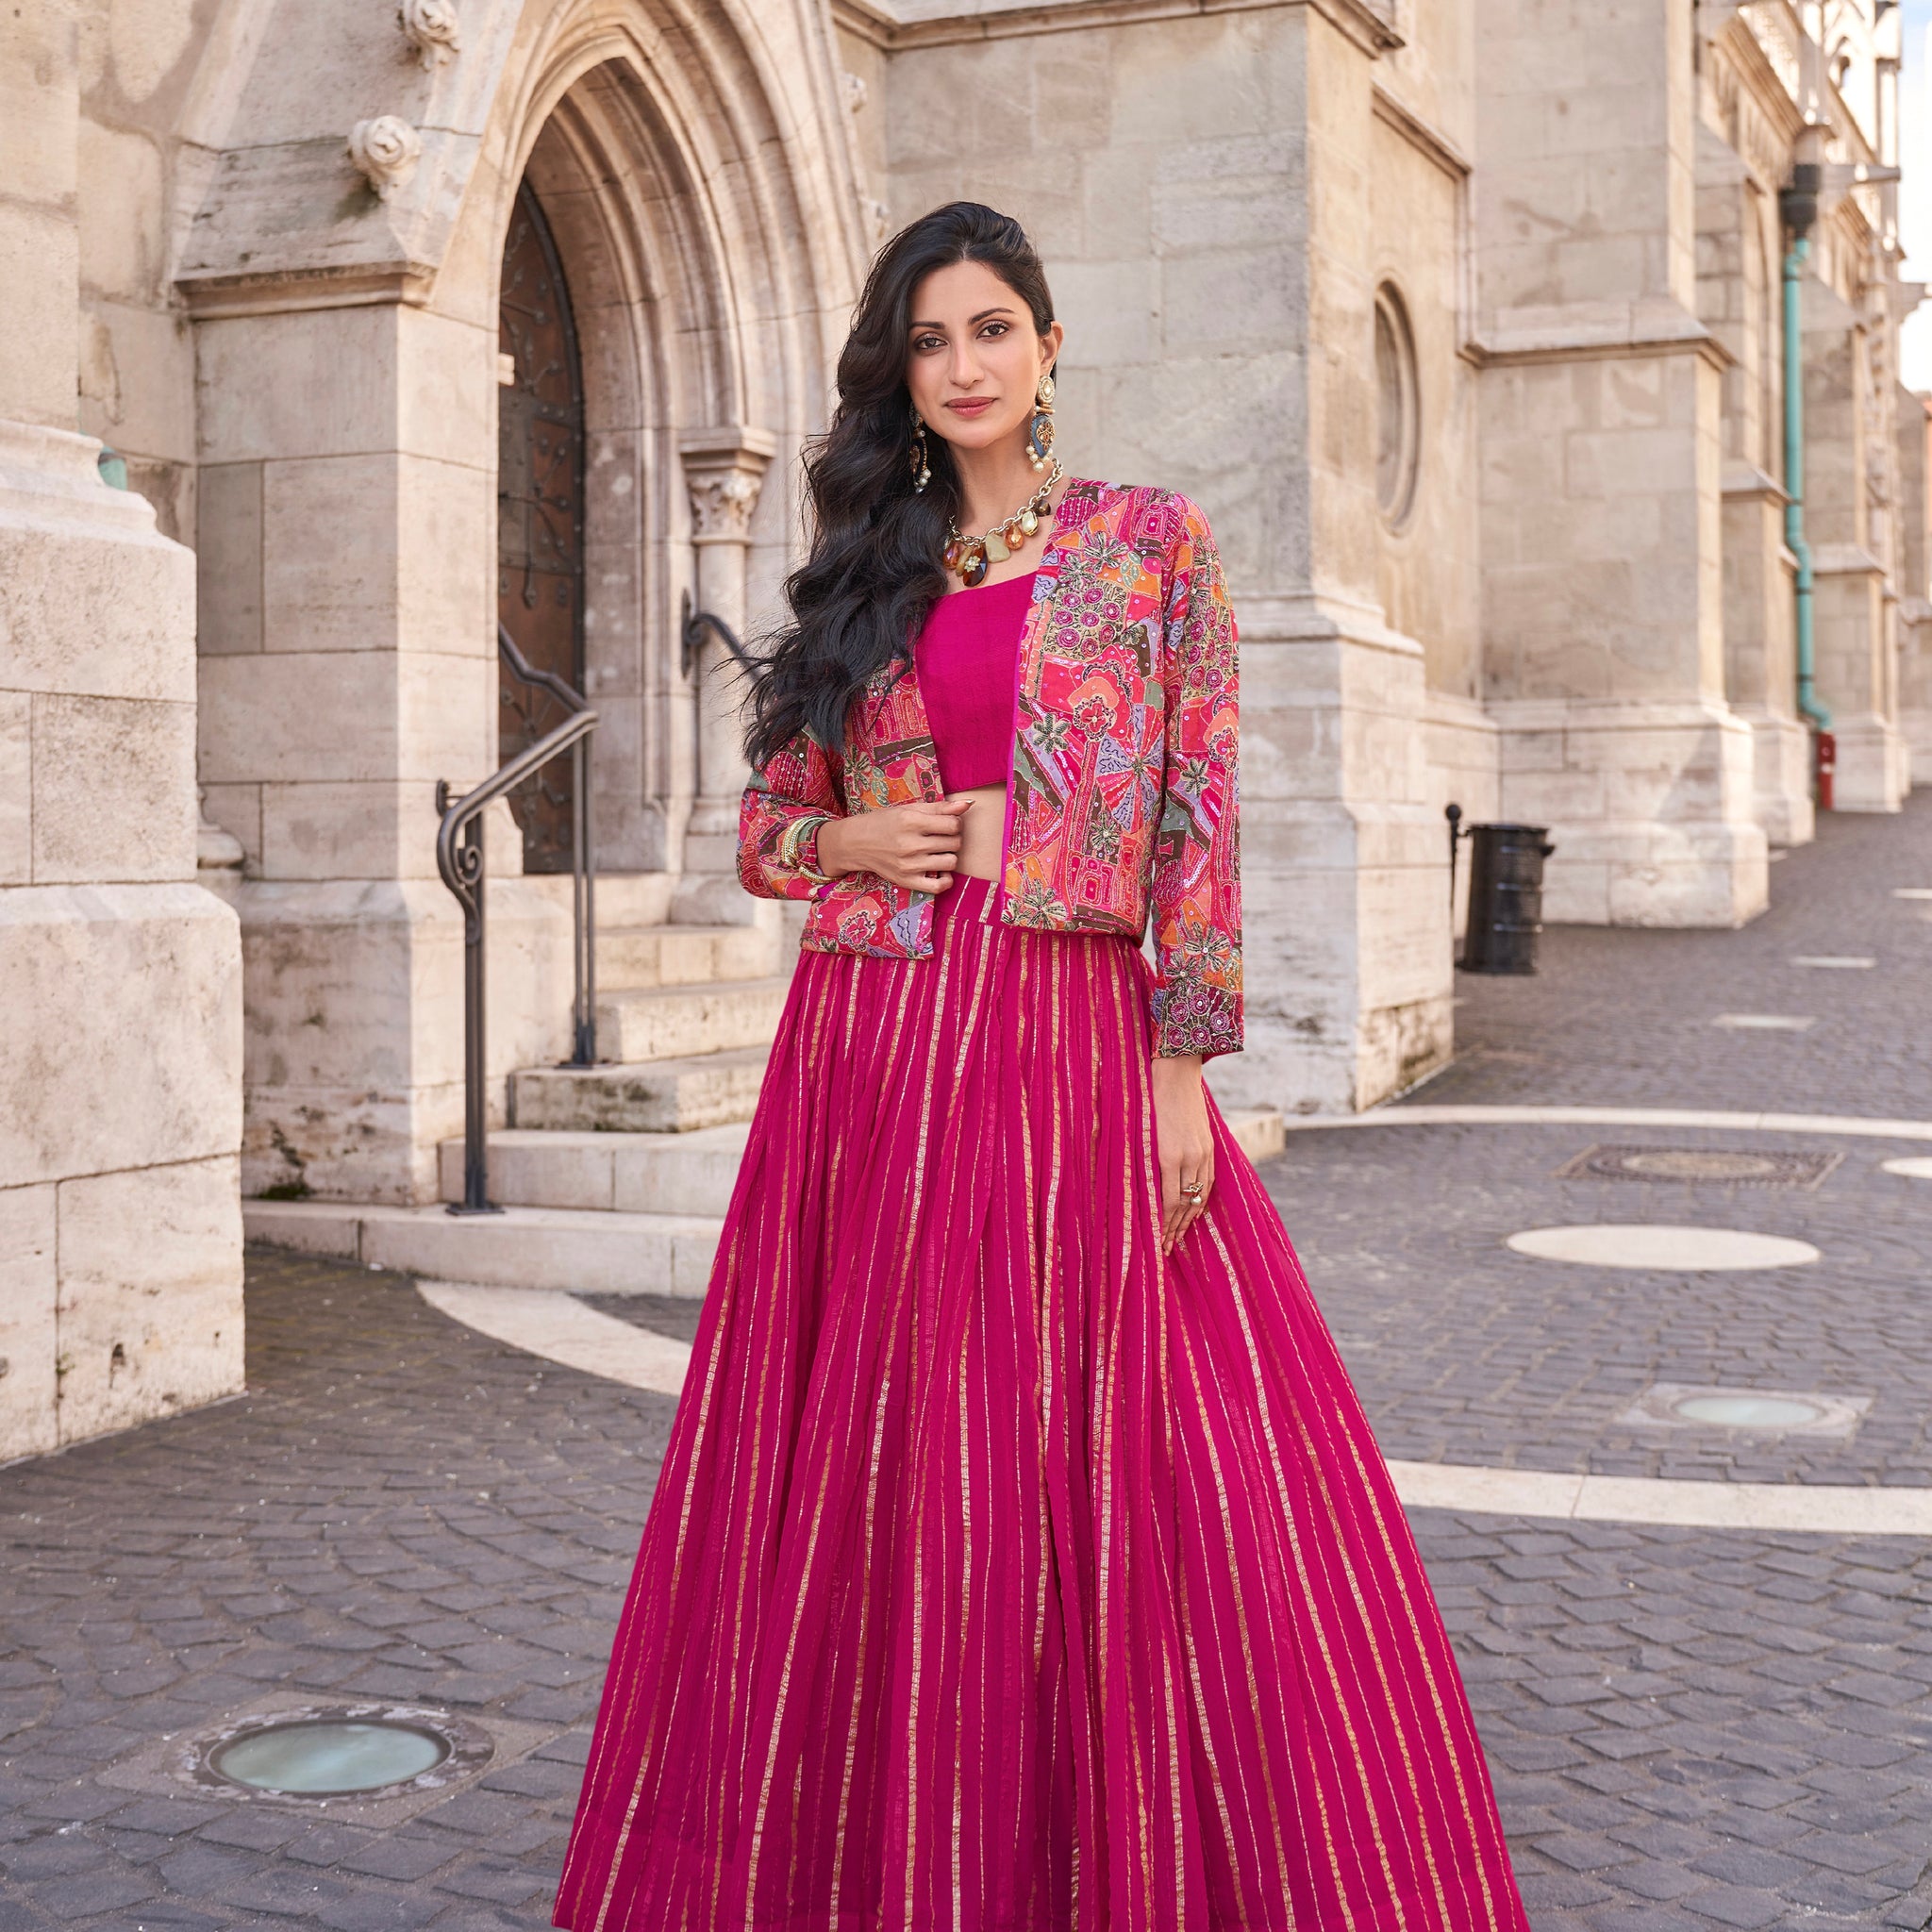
(725, 470)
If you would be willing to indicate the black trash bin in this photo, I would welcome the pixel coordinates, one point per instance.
(1505, 897)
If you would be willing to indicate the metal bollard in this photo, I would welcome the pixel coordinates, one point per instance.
(1505, 897)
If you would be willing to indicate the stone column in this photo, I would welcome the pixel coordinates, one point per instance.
(1856, 647)
(723, 470)
(1602, 470)
(1915, 578)
(348, 662)
(119, 1061)
(1347, 945)
(1760, 660)
(1200, 187)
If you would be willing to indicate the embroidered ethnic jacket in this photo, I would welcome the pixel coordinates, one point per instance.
(1122, 798)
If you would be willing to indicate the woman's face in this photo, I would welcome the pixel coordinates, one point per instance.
(974, 359)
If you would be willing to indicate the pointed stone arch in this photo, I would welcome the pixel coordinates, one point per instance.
(698, 172)
(693, 228)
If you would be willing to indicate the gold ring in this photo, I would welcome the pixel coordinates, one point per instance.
(1191, 1190)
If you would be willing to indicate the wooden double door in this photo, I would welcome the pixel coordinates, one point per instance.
(540, 520)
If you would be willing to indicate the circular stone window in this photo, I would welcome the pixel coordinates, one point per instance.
(350, 1751)
(1398, 409)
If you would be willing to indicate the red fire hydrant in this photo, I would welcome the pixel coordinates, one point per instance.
(1827, 764)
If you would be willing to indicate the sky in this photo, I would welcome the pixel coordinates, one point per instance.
(1915, 189)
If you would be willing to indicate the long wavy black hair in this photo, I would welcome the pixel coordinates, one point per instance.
(873, 570)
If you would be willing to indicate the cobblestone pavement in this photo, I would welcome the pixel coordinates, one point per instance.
(399, 1510)
(1687, 1728)
(1623, 1017)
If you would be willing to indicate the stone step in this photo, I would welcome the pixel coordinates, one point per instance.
(668, 1096)
(664, 1023)
(1258, 1130)
(586, 1234)
(622, 898)
(664, 898)
(663, 1174)
(634, 957)
(633, 1173)
(589, 1253)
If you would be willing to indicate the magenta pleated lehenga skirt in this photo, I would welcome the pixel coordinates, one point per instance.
(1002, 1577)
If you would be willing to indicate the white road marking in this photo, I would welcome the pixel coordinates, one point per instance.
(1648, 1244)
(549, 1323)
(1846, 961)
(1765, 1023)
(1454, 1116)
(1823, 1508)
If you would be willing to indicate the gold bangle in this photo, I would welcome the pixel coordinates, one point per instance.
(797, 836)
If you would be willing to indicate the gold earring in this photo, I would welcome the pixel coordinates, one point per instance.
(1040, 430)
(922, 472)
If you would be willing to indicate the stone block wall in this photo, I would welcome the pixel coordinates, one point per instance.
(1203, 191)
(121, 1059)
(1601, 470)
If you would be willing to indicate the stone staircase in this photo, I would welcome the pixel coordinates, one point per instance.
(686, 1015)
(615, 1178)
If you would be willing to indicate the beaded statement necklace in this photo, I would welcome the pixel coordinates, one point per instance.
(972, 556)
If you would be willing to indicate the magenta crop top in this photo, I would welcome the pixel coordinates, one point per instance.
(968, 662)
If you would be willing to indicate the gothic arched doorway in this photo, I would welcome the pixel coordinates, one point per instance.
(540, 518)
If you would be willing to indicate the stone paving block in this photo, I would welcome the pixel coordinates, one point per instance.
(328, 1845)
(378, 1913)
(405, 1857)
(165, 1817)
(1628, 1918)
(506, 1885)
(284, 1894)
(256, 1831)
(197, 1869)
(85, 1895)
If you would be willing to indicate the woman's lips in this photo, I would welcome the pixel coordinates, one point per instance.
(971, 406)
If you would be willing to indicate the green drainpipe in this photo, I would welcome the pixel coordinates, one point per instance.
(1798, 204)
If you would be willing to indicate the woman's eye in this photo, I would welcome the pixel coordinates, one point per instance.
(925, 345)
(994, 329)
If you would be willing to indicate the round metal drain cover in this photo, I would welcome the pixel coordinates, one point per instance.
(336, 1751)
(1749, 1411)
(323, 1760)
(1688, 1164)
(1751, 1167)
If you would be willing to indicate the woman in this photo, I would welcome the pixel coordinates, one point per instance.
(1021, 1559)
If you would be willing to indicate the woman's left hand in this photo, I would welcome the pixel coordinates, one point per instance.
(1186, 1145)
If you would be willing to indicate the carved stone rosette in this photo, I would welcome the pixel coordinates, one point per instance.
(386, 148)
(432, 28)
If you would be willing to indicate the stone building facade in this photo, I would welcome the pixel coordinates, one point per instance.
(1465, 321)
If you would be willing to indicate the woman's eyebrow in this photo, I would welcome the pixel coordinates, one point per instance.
(984, 316)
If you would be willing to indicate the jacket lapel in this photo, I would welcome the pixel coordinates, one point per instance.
(890, 758)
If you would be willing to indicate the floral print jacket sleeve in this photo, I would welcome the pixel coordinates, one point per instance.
(794, 792)
(1196, 887)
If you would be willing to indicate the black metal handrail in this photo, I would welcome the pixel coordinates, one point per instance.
(461, 866)
(692, 629)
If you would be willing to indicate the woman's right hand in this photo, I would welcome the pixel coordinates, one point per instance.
(912, 846)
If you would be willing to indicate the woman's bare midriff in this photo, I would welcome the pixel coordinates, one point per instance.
(981, 832)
